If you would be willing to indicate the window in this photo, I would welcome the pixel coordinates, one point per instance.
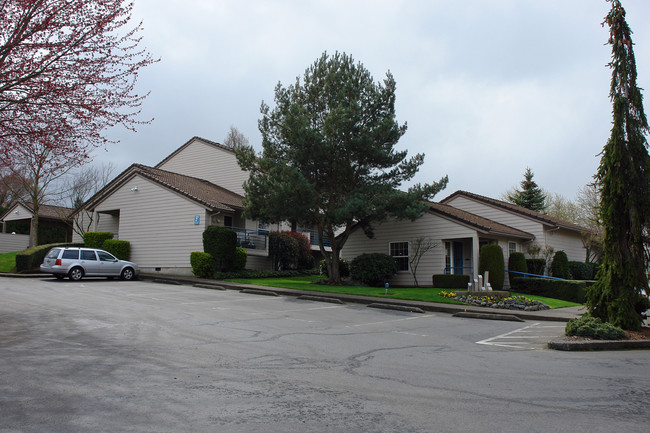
(262, 226)
(400, 251)
(512, 247)
(70, 254)
(105, 257)
(88, 255)
(227, 221)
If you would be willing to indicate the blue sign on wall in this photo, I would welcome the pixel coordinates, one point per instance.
(197, 218)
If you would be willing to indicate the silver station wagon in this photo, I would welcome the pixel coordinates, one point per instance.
(76, 263)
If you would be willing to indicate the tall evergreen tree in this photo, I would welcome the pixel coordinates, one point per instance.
(530, 196)
(624, 182)
(328, 158)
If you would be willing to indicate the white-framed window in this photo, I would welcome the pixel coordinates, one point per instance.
(512, 247)
(400, 252)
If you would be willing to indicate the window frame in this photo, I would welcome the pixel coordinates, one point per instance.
(401, 257)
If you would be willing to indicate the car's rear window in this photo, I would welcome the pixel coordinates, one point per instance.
(54, 253)
(70, 254)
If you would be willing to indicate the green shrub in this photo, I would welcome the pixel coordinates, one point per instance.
(517, 263)
(239, 260)
(344, 268)
(491, 260)
(567, 290)
(581, 271)
(304, 259)
(203, 264)
(560, 265)
(31, 258)
(536, 266)
(284, 250)
(120, 249)
(450, 281)
(220, 243)
(373, 269)
(96, 239)
(592, 327)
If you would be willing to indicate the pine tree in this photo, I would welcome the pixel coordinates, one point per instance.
(623, 179)
(530, 196)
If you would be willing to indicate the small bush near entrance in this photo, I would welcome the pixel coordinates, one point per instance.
(592, 327)
(239, 260)
(450, 281)
(536, 266)
(203, 264)
(220, 243)
(517, 263)
(373, 269)
(120, 249)
(96, 239)
(560, 265)
(581, 271)
(491, 260)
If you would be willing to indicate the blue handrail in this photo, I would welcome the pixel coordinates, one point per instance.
(447, 270)
(535, 275)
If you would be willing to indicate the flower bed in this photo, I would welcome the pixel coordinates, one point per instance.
(510, 303)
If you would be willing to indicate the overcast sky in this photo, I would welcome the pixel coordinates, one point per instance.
(487, 88)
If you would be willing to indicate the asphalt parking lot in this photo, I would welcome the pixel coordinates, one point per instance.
(110, 356)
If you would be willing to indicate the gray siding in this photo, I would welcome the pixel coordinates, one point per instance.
(10, 243)
(208, 162)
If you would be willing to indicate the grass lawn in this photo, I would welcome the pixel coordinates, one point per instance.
(413, 294)
(8, 262)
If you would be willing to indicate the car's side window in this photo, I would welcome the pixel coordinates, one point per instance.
(105, 257)
(70, 254)
(88, 255)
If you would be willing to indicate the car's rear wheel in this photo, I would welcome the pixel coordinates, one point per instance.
(76, 274)
(127, 274)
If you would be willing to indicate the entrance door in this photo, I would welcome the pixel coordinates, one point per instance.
(458, 257)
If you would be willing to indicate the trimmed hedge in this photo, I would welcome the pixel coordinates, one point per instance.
(31, 258)
(581, 271)
(220, 243)
(536, 266)
(120, 249)
(96, 239)
(567, 290)
(450, 281)
(560, 265)
(517, 263)
(373, 269)
(239, 260)
(491, 259)
(264, 274)
(203, 264)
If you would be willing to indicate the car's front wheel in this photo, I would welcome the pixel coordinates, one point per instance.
(128, 274)
(76, 274)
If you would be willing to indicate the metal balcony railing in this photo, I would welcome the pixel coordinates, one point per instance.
(251, 239)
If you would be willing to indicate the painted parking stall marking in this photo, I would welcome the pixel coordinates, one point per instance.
(531, 337)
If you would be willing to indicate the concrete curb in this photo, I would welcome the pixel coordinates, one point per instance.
(489, 316)
(598, 345)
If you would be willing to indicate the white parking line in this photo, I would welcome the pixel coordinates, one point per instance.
(515, 339)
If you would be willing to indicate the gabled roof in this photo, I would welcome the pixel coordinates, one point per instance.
(509, 207)
(190, 141)
(46, 211)
(481, 224)
(201, 191)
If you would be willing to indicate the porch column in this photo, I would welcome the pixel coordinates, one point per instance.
(475, 251)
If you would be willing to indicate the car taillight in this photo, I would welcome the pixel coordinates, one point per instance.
(58, 262)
